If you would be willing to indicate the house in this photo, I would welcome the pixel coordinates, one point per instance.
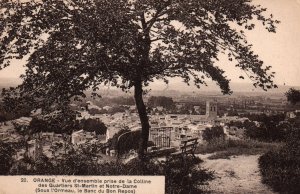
(291, 115)
(23, 121)
(197, 109)
(107, 108)
(111, 131)
(83, 114)
(197, 130)
(90, 105)
(159, 108)
(80, 137)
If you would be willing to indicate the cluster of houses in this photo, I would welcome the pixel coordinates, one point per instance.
(166, 129)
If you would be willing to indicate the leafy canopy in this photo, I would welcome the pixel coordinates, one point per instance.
(77, 44)
(293, 96)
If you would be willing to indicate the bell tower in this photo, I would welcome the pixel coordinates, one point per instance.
(211, 109)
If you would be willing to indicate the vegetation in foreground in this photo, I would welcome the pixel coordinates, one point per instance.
(181, 176)
(281, 169)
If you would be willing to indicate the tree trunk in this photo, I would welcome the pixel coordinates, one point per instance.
(138, 96)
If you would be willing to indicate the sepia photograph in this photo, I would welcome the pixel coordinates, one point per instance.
(150, 96)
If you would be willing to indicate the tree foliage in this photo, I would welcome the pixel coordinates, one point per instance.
(57, 122)
(293, 96)
(15, 110)
(163, 101)
(74, 45)
(93, 125)
(267, 128)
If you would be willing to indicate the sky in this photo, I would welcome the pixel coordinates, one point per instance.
(280, 50)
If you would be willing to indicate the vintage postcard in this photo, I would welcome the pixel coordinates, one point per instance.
(149, 96)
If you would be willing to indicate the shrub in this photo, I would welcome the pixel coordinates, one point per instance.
(22, 167)
(281, 169)
(184, 177)
(270, 128)
(213, 133)
(92, 125)
(6, 153)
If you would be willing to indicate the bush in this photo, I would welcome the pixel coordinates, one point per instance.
(185, 177)
(93, 125)
(270, 128)
(266, 133)
(6, 153)
(281, 169)
(213, 133)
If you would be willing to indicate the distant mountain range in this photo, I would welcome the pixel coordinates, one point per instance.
(178, 86)
(214, 88)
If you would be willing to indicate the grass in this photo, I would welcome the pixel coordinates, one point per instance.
(231, 174)
(224, 149)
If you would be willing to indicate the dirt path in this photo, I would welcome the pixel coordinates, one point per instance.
(239, 174)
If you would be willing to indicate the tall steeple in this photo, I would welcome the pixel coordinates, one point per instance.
(211, 109)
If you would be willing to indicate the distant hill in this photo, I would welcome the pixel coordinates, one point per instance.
(174, 87)
(213, 88)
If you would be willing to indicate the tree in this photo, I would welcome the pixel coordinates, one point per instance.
(37, 125)
(293, 96)
(163, 101)
(270, 128)
(28, 131)
(2, 119)
(75, 45)
(92, 125)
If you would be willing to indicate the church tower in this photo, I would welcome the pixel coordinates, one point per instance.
(211, 109)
